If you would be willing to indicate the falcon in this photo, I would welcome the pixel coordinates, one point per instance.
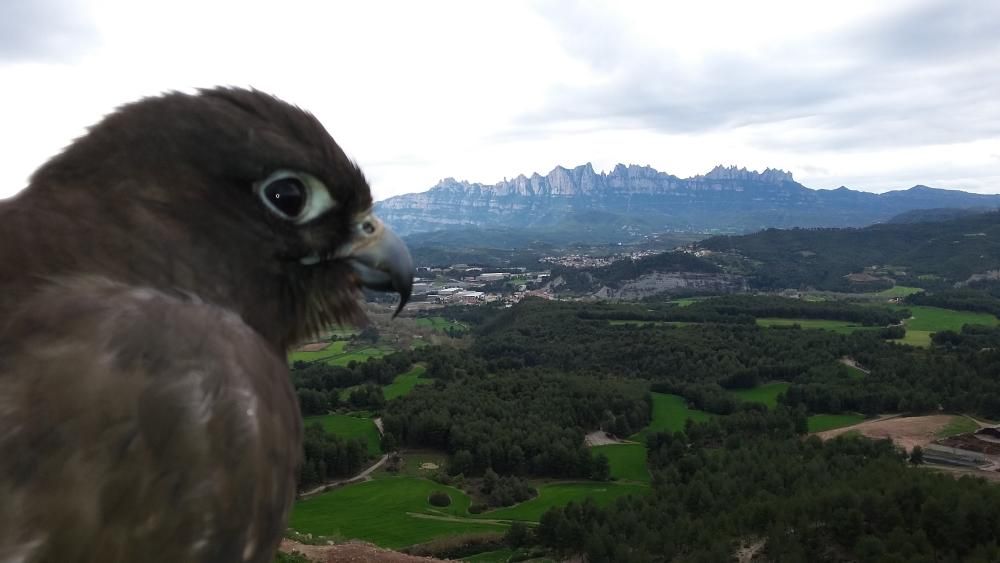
(152, 279)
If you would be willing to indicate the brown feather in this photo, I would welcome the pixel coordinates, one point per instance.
(147, 299)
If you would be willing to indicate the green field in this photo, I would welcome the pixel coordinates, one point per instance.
(405, 382)
(440, 323)
(560, 494)
(958, 425)
(628, 461)
(350, 427)
(854, 372)
(391, 512)
(935, 319)
(334, 349)
(920, 338)
(335, 354)
(359, 355)
(669, 414)
(766, 394)
(821, 422)
(898, 291)
(394, 512)
(842, 327)
(928, 320)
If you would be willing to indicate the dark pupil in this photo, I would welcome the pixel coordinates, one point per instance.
(288, 195)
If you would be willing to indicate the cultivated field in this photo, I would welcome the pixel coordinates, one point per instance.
(314, 352)
(350, 427)
(898, 291)
(628, 461)
(336, 354)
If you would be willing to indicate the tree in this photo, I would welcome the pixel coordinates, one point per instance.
(369, 334)
(518, 535)
(600, 468)
(461, 462)
(917, 455)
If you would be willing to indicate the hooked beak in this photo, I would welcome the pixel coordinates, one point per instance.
(380, 259)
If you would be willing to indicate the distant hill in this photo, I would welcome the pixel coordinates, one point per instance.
(631, 201)
(935, 215)
(629, 279)
(936, 254)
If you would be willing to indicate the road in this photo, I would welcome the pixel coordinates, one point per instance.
(363, 476)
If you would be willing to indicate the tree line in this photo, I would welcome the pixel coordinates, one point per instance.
(753, 479)
(528, 422)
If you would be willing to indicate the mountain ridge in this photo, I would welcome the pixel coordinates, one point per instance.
(640, 199)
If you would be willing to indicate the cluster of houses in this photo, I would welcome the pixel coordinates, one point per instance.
(583, 261)
(461, 284)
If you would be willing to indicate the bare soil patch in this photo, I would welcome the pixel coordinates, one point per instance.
(351, 552)
(312, 347)
(905, 432)
(602, 438)
(429, 465)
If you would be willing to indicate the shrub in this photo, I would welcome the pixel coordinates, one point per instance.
(439, 498)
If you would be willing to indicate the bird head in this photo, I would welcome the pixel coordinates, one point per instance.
(229, 195)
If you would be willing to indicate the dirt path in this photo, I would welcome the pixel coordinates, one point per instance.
(443, 518)
(906, 432)
(601, 438)
(378, 424)
(351, 552)
(851, 362)
(363, 476)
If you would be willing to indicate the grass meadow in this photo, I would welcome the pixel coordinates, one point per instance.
(391, 512)
(766, 394)
(628, 461)
(821, 422)
(669, 415)
(958, 425)
(561, 494)
(405, 382)
(927, 320)
(350, 427)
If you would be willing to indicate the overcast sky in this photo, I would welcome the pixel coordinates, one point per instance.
(872, 95)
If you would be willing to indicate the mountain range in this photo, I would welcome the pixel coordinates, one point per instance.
(634, 200)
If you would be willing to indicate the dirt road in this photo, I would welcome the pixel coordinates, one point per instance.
(363, 476)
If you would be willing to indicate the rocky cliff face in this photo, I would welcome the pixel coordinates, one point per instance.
(642, 199)
(659, 282)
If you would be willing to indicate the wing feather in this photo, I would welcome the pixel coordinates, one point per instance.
(115, 401)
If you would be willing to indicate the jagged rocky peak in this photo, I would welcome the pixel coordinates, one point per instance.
(769, 175)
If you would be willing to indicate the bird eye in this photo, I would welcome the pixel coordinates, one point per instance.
(287, 195)
(295, 196)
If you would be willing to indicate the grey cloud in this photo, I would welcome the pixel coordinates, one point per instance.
(44, 30)
(929, 74)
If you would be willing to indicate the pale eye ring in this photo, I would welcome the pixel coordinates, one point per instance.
(294, 196)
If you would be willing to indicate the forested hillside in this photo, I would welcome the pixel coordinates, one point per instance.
(929, 255)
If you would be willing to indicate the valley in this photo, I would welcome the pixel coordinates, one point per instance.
(538, 412)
